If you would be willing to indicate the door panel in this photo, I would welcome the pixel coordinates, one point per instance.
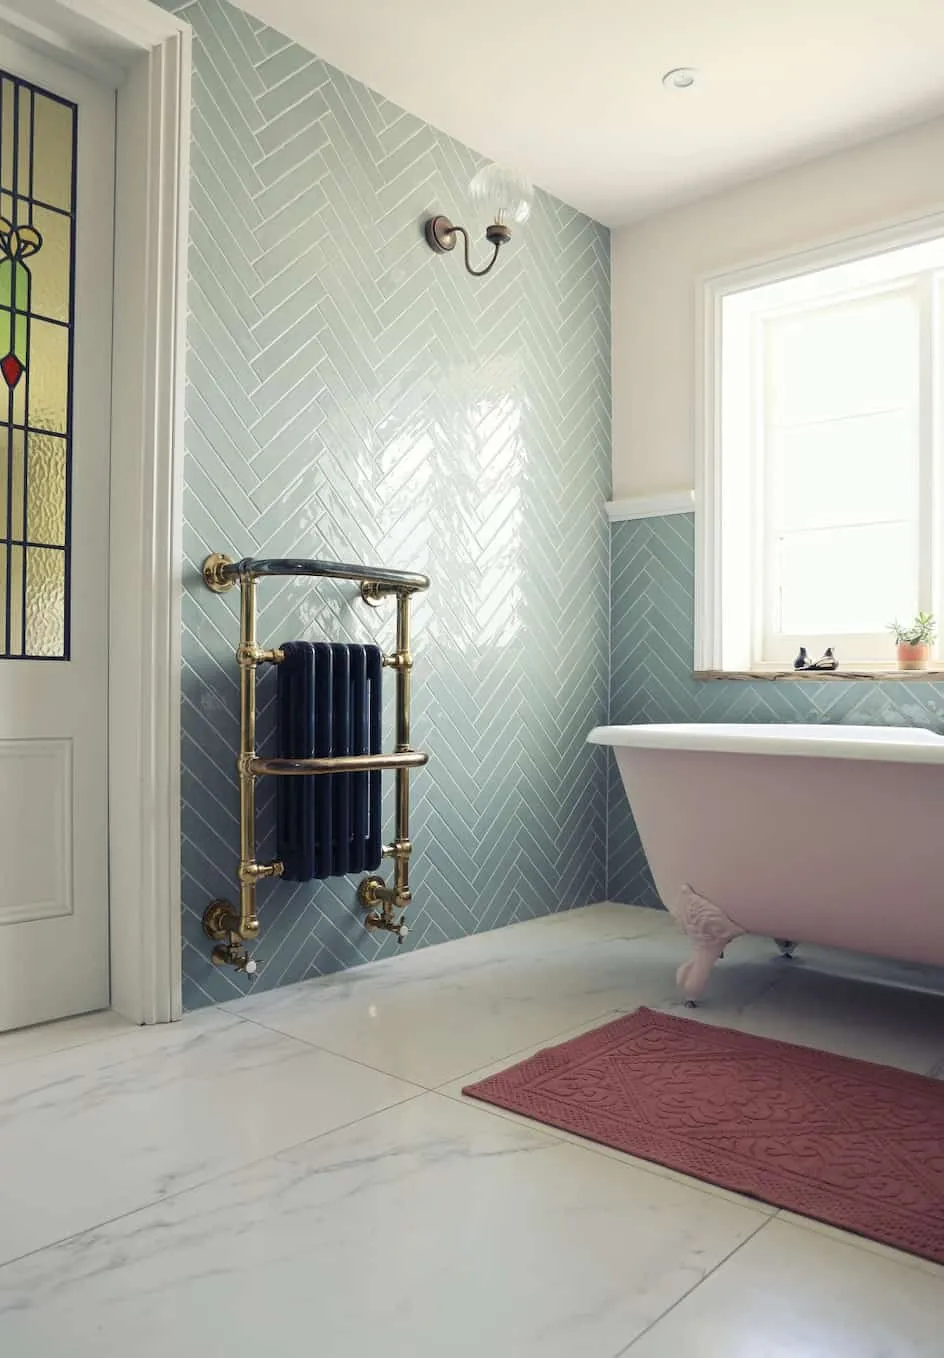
(56, 262)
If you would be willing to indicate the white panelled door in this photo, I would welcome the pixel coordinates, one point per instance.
(57, 136)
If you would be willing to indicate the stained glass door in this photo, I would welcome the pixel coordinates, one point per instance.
(56, 260)
(37, 246)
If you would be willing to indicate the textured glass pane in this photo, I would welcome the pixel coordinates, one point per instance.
(46, 503)
(45, 601)
(7, 96)
(3, 599)
(52, 152)
(15, 596)
(46, 508)
(49, 376)
(848, 580)
(23, 130)
(50, 266)
(11, 478)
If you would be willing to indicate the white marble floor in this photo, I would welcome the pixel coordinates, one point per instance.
(298, 1172)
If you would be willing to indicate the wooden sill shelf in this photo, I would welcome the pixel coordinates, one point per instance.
(815, 676)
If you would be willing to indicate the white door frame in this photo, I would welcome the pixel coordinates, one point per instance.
(145, 53)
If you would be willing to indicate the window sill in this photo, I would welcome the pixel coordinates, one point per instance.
(934, 675)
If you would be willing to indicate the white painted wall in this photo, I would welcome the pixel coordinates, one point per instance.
(657, 264)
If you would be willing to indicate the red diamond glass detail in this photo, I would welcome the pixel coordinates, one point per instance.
(12, 370)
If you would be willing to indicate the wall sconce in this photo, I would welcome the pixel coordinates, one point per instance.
(506, 193)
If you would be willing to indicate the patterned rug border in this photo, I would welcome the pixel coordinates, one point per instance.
(702, 1153)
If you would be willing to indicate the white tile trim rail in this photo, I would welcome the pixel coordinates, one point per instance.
(651, 506)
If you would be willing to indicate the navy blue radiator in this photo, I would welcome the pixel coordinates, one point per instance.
(329, 703)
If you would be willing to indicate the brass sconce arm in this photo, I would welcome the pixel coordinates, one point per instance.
(441, 236)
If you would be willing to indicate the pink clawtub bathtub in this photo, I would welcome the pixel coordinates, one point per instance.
(806, 834)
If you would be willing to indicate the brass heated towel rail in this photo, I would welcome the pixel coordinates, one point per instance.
(229, 928)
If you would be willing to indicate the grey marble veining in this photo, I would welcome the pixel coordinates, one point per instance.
(384, 1234)
(222, 1187)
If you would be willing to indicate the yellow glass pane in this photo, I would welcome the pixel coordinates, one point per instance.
(45, 601)
(50, 265)
(23, 128)
(12, 448)
(46, 503)
(7, 95)
(15, 559)
(52, 152)
(48, 376)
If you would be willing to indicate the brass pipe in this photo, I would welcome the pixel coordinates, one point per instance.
(401, 859)
(248, 919)
(339, 763)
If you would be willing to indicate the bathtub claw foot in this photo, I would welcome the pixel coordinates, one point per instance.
(710, 930)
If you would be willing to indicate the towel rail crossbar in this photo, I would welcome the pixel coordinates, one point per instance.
(221, 573)
(339, 763)
(231, 928)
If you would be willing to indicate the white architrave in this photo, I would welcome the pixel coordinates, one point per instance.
(145, 53)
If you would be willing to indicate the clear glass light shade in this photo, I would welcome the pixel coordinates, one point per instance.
(504, 193)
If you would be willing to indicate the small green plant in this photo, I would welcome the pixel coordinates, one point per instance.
(920, 632)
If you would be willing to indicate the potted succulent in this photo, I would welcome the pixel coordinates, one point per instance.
(914, 641)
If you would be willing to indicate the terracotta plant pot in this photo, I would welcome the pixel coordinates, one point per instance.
(913, 657)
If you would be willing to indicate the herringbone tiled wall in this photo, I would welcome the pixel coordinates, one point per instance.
(350, 395)
(652, 635)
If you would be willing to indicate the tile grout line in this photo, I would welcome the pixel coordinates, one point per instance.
(74, 1046)
(627, 1349)
(214, 1178)
(427, 1088)
(651, 1167)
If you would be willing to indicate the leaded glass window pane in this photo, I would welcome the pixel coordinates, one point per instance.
(37, 263)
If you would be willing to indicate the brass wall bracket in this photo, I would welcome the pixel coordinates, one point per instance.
(212, 577)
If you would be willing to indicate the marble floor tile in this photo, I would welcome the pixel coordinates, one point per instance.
(431, 1018)
(848, 1014)
(92, 1132)
(862, 1243)
(794, 1293)
(27, 1043)
(430, 1228)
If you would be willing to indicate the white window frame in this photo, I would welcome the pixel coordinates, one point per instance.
(726, 609)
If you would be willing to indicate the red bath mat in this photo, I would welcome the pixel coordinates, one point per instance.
(853, 1144)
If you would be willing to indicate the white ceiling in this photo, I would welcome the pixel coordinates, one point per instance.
(570, 91)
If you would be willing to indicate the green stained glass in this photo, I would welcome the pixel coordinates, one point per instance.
(37, 253)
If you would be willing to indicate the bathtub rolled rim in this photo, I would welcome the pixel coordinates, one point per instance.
(888, 744)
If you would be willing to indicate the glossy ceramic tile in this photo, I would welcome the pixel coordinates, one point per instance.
(794, 1293)
(652, 643)
(352, 396)
(430, 1228)
(436, 1015)
(100, 1130)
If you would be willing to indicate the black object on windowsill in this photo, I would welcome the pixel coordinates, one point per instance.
(827, 661)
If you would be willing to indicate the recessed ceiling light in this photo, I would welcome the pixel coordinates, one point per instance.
(681, 78)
